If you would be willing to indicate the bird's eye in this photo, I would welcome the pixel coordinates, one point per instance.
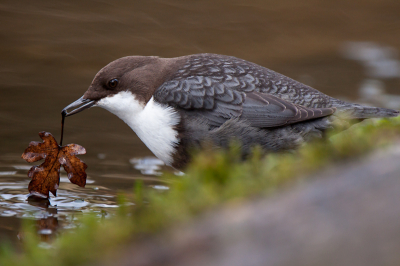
(113, 83)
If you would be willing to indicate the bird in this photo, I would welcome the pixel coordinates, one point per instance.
(175, 105)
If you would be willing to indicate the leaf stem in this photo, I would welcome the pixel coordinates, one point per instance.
(63, 114)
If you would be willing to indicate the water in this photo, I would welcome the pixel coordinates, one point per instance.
(51, 50)
(98, 196)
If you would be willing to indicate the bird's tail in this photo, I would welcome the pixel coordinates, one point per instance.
(357, 111)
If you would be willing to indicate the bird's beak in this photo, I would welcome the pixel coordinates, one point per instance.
(79, 105)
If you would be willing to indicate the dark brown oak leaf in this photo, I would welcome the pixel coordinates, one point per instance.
(46, 177)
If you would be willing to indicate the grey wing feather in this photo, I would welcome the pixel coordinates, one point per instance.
(217, 103)
(264, 111)
(204, 97)
(219, 88)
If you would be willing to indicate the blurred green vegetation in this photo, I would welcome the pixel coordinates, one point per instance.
(214, 178)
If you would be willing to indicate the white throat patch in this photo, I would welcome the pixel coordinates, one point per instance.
(153, 122)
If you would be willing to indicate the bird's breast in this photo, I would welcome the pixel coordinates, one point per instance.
(154, 123)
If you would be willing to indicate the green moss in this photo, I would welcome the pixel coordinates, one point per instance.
(213, 178)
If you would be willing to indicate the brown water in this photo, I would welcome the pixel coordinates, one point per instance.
(51, 50)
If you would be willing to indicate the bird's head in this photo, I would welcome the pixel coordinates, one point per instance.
(135, 77)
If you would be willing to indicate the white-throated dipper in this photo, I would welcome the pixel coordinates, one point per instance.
(174, 104)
